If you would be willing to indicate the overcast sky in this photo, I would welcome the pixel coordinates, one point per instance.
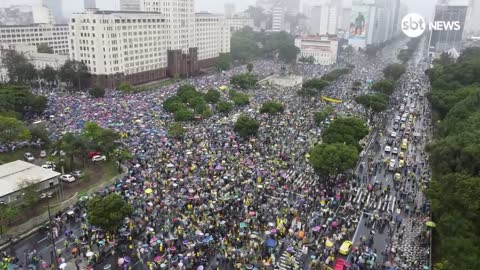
(424, 7)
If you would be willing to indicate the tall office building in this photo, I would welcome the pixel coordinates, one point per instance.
(56, 6)
(444, 40)
(293, 7)
(42, 15)
(323, 19)
(130, 5)
(472, 25)
(181, 16)
(229, 10)
(278, 17)
(89, 4)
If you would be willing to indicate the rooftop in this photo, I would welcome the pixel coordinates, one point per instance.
(14, 173)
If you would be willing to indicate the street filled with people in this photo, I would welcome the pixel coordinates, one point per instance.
(214, 200)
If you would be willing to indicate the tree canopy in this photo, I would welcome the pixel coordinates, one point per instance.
(322, 115)
(223, 61)
(394, 71)
(335, 74)
(75, 74)
(329, 160)
(176, 130)
(21, 100)
(212, 96)
(272, 107)
(246, 126)
(244, 80)
(239, 99)
(13, 130)
(97, 92)
(313, 87)
(348, 130)
(44, 48)
(384, 86)
(455, 158)
(288, 53)
(19, 69)
(224, 106)
(108, 212)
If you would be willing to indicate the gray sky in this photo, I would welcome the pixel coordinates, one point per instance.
(424, 7)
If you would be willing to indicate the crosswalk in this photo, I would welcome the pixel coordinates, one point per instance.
(368, 200)
(287, 261)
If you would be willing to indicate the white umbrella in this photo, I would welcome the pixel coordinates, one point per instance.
(170, 165)
(62, 266)
(89, 254)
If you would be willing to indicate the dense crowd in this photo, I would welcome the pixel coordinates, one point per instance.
(214, 200)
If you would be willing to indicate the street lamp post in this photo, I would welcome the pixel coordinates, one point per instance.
(55, 261)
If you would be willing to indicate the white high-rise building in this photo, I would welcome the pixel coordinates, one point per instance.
(56, 6)
(229, 10)
(116, 42)
(180, 14)
(165, 39)
(89, 4)
(42, 14)
(323, 49)
(130, 5)
(278, 17)
(212, 35)
(56, 36)
(323, 19)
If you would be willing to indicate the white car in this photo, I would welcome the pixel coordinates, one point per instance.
(388, 149)
(395, 151)
(28, 157)
(48, 167)
(99, 158)
(67, 178)
(391, 166)
(43, 154)
(393, 134)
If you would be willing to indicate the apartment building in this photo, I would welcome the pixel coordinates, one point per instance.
(238, 22)
(130, 5)
(212, 37)
(56, 36)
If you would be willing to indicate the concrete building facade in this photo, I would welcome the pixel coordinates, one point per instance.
(324, 49)
(236, 23)
(42, 14)
(56, 36)
(130, 5)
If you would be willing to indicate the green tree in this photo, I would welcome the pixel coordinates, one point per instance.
(121, 155)
(356, 85)
(329, 160)
(13, 130)
(250, 67)
(239, 99)
(44, 48)
(75, 74)
(335, 74)
(322, 115)
(224, 106)
(373, 103)
(313, 87)
(246, 126)
(39, 131)
(108, 212)
(173, 104)
(38, 104)
(212, 96)
(288, 53)
(8, 213)
(405, 55)
(19, 69)
(97, 92)
(348, 130)
(383, 86)
(272, 107)
(176, 130)
(393, 72)
(223, 62)
(244, 46)
(125, 87)
(244, 80)
(183, 114)
(48, 74)
(30, 195)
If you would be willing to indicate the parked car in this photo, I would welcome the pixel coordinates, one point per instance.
(99, 158)
(43, 154)
(78, 174)
(395, 150)
(67, 178)
(93, 153)
(48, 167)
(387, 149)
(28, 157)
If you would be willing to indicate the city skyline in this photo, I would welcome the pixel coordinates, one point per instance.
(425, 8)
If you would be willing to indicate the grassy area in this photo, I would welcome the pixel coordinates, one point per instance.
(154, 85)
(18, 154)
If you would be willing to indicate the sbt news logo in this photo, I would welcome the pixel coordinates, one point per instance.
(413, 25)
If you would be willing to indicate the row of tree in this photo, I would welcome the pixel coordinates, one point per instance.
(455, 160)
(248, 45)
(20, 71)
(405, 54)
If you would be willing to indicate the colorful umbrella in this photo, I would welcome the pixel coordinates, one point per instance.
(430, 224)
